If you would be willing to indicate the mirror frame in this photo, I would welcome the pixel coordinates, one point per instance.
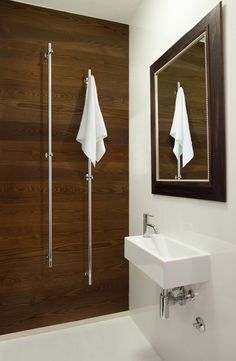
(215, 188)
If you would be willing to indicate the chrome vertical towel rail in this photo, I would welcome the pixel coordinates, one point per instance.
(89, 178)
(49, 154)
(178, 163)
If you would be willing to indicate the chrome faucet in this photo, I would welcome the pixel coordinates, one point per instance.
(146, 224)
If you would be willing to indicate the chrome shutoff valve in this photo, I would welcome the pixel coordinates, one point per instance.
(199, 324)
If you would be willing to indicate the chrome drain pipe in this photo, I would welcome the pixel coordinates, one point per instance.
(164, 304)
(175, 295)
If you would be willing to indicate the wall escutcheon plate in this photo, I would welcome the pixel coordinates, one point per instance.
(199, 324)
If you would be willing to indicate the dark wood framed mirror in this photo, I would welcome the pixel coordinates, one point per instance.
(187, 115)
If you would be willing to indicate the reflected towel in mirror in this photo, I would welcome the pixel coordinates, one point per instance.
(180, 130)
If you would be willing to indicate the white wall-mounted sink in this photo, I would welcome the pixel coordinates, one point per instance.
(168, 261)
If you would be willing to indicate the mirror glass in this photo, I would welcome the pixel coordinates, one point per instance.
(181, 96)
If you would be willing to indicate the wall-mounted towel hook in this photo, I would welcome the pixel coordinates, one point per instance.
(87, 77)
(178, 86)
(86, 81)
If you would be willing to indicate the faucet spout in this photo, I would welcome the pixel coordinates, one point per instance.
(153, 227)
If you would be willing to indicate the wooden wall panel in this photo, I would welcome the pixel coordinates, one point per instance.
(31, 295)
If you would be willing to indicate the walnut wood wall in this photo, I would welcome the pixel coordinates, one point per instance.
(31, 294)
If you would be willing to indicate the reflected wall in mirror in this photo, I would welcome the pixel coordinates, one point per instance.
(188, 71)
(187, 114)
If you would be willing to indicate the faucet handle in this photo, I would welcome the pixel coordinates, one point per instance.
(146, 215)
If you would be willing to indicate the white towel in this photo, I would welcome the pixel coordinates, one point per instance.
(92, 129)
(180, 130)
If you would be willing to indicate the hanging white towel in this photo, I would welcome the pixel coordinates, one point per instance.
(92, 129)
(180, 130)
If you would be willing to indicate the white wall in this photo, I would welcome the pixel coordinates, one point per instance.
(156, 26)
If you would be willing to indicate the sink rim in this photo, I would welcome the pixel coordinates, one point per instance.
(197, 252)
(192, 268)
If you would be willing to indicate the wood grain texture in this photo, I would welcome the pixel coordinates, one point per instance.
(31, 295)
(215, 188)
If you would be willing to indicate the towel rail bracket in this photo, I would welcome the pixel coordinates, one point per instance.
(46, 55)
(47, 155)
(88, 177)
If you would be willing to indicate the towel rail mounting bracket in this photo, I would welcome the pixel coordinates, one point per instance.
(46, 55)
(88, 177)
(48, 155)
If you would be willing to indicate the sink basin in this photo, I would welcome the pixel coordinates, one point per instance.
(168, 261)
